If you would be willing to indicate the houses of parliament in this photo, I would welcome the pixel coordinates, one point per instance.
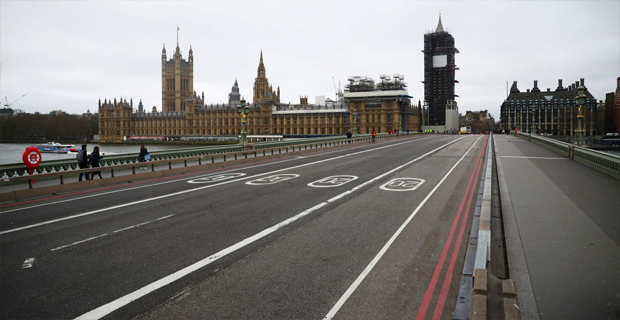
(184, 114)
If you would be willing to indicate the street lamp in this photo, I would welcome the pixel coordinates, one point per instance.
(354, 123)
(400, 123)
(581, 101)
(243, 110)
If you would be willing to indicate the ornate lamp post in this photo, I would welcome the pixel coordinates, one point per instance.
(581, 101)
(243, 110)
(354, 123)
(534, 117)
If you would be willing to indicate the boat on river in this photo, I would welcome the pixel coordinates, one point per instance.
(55, 147)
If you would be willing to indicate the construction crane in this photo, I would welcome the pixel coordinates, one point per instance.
(8, 105)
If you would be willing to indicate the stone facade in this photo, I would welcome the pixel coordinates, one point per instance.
(184, 114)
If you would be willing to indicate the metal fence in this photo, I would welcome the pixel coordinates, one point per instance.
(601, 161)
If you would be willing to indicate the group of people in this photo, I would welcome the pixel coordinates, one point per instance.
(91, 160)
(86, 161)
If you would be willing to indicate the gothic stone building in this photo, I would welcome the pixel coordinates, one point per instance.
(551, 112)
(184, 114)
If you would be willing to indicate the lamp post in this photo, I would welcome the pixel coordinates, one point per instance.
(354, 123)
(400, 123)
(243, 110)
(534, 117)
(581, 101)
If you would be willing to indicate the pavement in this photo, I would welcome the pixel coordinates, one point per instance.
(562, 225)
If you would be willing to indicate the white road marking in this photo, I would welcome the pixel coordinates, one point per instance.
(402, 184)
(383, 250)
(113, 232)
(272, 179)
(190, 178)
(522, 157)
(122, 301)
(190, 190)
(217, 177)
(332, 181)
(28, 263)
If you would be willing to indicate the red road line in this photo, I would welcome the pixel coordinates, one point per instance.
(431, 287)
(443, 295)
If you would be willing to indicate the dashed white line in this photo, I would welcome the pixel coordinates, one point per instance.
(122, 301)
(113, 232)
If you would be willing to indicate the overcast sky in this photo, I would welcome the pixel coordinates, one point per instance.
(68, 55)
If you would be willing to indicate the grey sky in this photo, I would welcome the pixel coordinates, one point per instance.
(67, 55)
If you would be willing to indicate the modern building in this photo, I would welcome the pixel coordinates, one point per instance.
(185, 115)
(439, 80)
(551, 112)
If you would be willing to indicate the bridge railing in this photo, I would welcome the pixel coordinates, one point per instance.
(115, 163)
(601, 161)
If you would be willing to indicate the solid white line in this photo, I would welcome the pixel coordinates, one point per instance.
(188, 191)
(522, 157)
(194, 177)
(120, 302)
(113, 232)
(383, 250)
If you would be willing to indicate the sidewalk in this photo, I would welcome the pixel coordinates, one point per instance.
(562, 224)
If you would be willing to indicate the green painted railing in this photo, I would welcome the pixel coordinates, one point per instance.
(62, 165)
(601, 161)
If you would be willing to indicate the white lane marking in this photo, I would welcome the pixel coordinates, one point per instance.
(332, 181)
(122, 301)
(190, 178)
(522, 157)
(217, 177)
(190, 190)
(383, 250)
(402, 184)
(113, 232)
(28, 263)
(272, 179)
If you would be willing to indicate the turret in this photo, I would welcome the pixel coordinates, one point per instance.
(163, 54)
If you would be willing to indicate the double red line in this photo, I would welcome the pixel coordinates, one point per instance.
(443, 294)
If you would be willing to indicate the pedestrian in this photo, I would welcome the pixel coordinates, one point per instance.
(349, 135)
(82, 159)
(142, 156)
(94, 162)
(373, 136)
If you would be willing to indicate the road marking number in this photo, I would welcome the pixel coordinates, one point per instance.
(217, 178)
(333, 181)
(402, 184)
(272, 179)
(28, 263)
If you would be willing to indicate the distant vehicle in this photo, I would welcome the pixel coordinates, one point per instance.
(55, 147)
(465, 130)
(610, 139)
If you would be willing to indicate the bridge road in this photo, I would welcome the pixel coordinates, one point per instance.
(218, 248)
(567, 227)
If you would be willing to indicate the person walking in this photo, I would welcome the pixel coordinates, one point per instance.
(374, 135)
(82, 159)
(142, 155)
(94, 158)
(349, 134)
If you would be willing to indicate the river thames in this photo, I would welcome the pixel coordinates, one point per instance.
(12, 152)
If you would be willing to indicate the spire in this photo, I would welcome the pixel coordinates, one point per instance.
(261, 66)
(439, 25)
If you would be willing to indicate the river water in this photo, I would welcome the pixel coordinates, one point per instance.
(12, 152)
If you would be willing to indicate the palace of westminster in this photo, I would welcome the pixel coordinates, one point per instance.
(184, 114)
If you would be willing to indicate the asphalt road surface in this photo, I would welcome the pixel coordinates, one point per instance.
(362, 231)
